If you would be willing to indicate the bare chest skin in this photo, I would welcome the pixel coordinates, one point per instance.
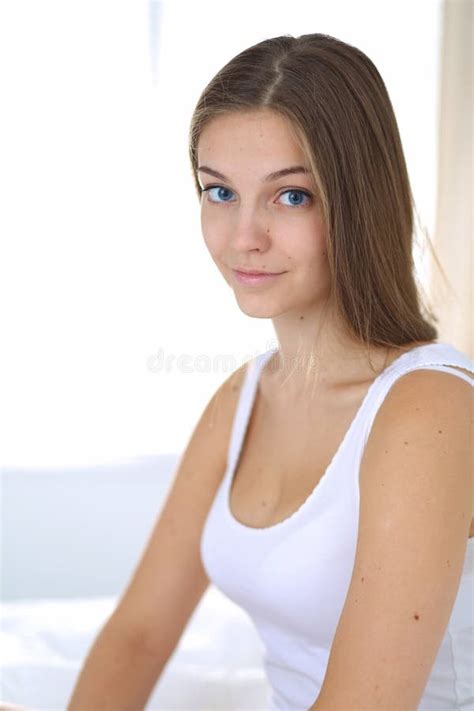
(285, 453)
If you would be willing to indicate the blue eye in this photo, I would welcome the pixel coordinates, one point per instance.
(219, 188)
(221, 192)
(300, 193)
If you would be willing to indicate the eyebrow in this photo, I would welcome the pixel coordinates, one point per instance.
(268, 179)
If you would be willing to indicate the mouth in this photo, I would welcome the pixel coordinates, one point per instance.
(254, 271)
(255, 278)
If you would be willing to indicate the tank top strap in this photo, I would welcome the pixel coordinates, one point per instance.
(244, 406)
(434, 356)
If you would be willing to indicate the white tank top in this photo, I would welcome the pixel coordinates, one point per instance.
(292, 578)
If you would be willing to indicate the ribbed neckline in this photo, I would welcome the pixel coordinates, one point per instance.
(254, 376)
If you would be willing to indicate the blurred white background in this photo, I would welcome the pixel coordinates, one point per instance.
(103, 270)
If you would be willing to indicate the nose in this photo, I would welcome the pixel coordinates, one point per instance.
(250, 231)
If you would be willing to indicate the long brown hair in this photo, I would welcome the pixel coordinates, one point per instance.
(338, 107)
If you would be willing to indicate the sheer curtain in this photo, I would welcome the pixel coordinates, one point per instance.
(452, 296)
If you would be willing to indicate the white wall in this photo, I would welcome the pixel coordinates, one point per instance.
(103, 268)
(78, 532)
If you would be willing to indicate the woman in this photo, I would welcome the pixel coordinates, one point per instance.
(327, 486)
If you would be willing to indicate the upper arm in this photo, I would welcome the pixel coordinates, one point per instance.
(415, 512)
(169, 579)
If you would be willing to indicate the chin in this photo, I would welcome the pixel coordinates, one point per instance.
(259, 308)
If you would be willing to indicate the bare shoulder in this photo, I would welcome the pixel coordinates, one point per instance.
(425, 388)
(219, 412)
(414, 517)
(465, 371)
(204, 458)
(423, 400)
(455, 367)
(424, 426)
(229, 390)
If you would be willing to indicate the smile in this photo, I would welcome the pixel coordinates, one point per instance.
(255, 279)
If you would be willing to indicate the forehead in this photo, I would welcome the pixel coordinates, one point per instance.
(251, 134)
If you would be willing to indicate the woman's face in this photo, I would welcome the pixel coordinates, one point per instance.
(251, 222)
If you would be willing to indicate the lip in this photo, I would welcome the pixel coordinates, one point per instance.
(255, 278)
(254, 271)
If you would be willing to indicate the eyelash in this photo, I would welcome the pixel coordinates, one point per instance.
(291, 190)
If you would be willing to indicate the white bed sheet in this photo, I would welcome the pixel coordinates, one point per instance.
(217, 664)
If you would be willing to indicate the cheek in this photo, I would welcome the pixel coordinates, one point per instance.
(318, 242)
(213, 241)
(306, 246)
(215, 232)
(210, 233)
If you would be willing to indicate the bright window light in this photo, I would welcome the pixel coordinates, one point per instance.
(115, 322)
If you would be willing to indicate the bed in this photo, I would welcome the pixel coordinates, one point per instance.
(70, 539)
